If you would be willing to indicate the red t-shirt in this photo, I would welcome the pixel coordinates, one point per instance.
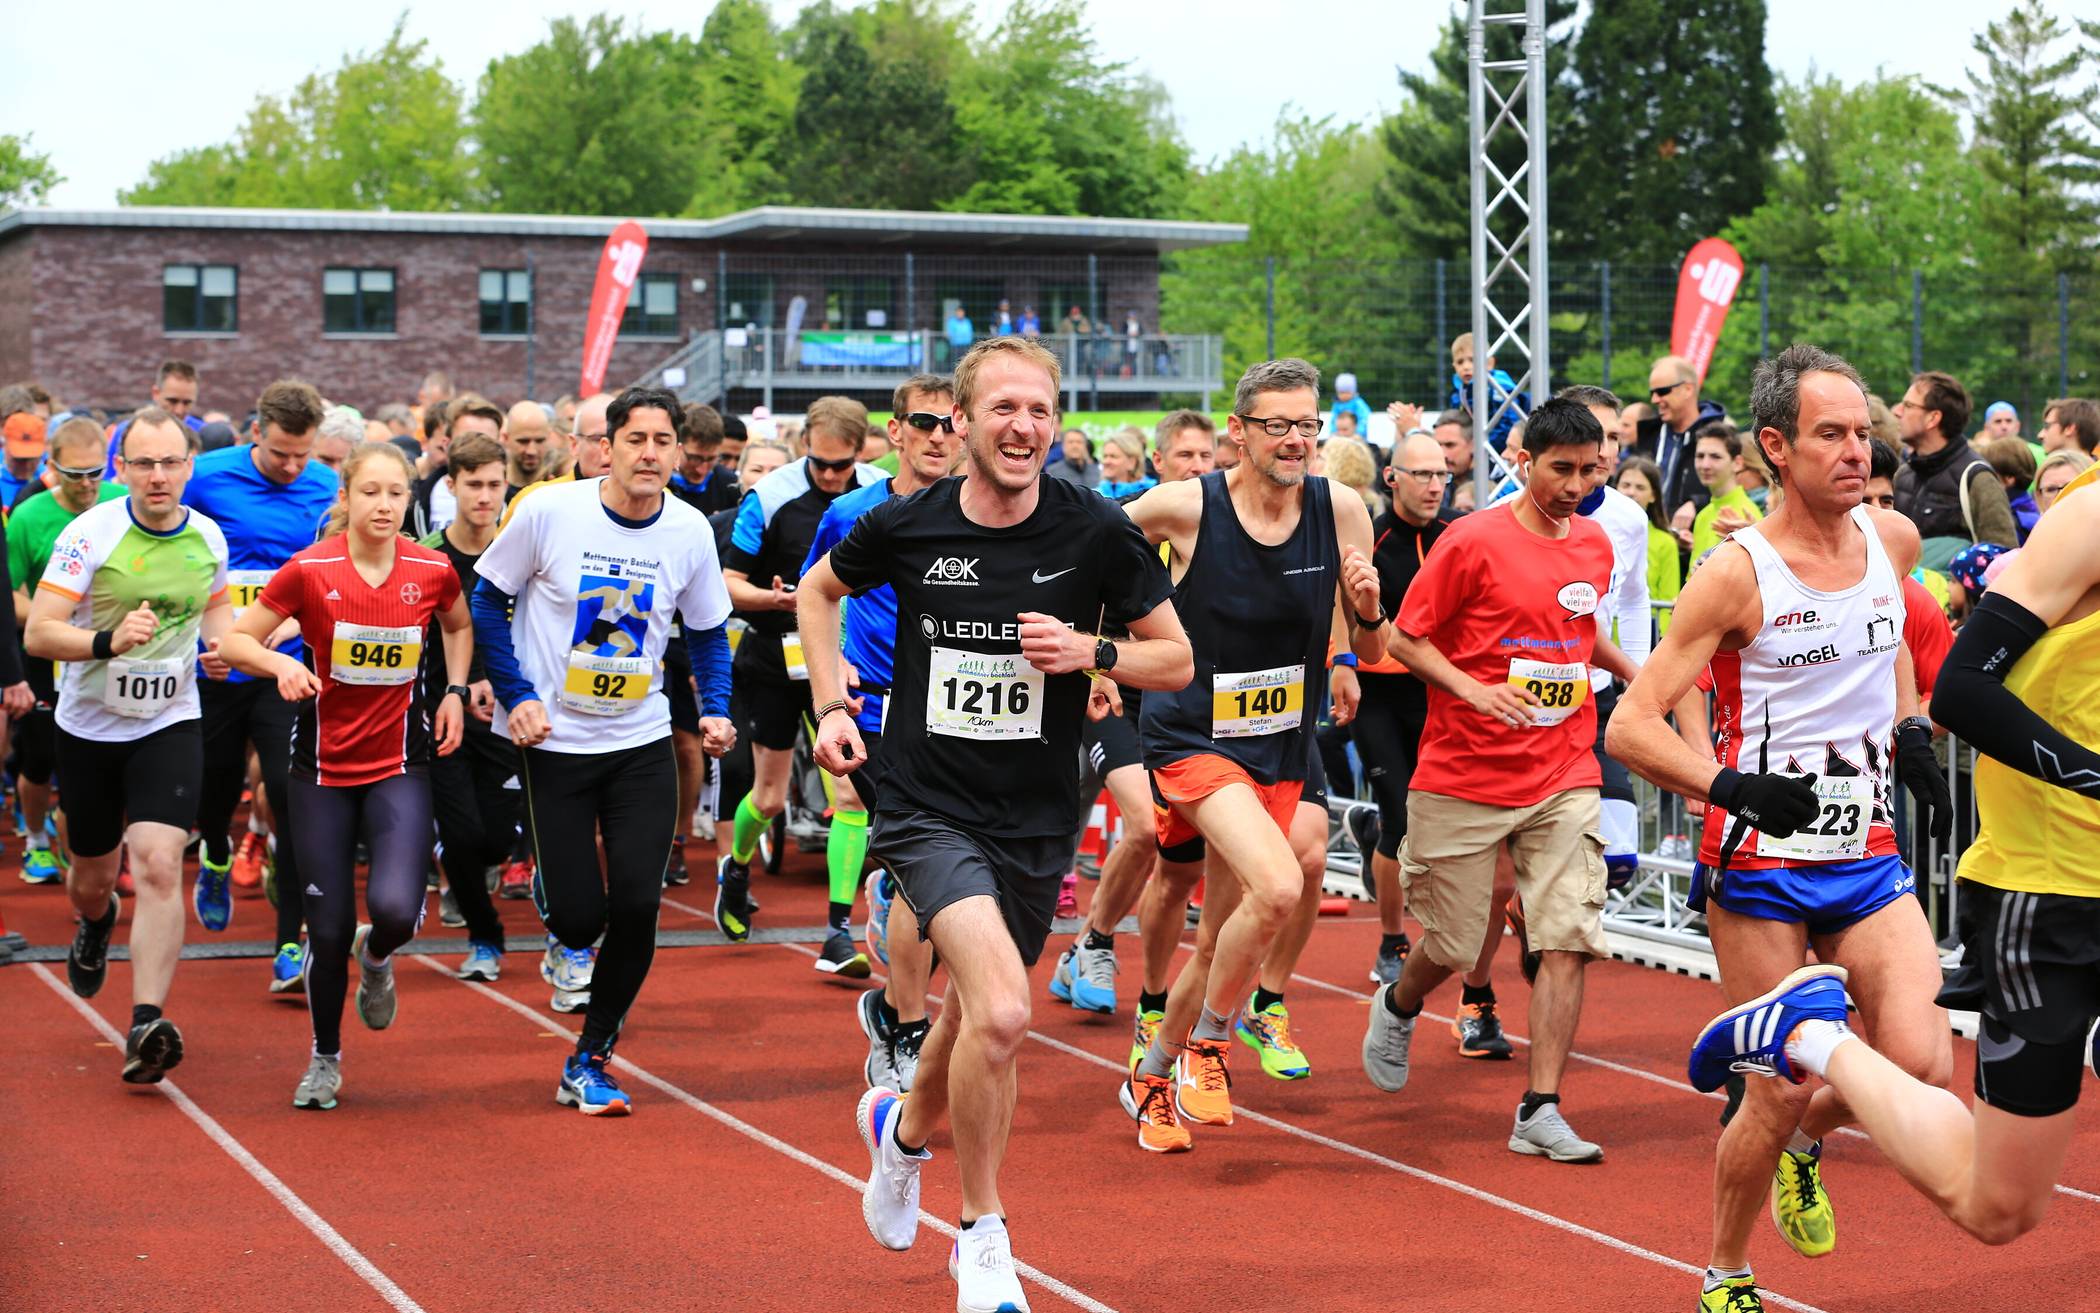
(1926, 630)
(1492, 593)
(366, 646)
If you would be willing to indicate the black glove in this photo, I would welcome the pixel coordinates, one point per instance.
(1918, 769)
(1777, 805)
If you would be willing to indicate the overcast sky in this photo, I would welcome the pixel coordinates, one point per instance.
(1230, 65)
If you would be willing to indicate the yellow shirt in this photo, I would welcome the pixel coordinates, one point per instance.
(2035, 837)
(527, 491)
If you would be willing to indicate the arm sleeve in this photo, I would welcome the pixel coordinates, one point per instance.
(1972, 700)
(491, 609)
(1990, 512)
(709, 649)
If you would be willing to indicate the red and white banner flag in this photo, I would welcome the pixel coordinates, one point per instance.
(617, 268)
(1706, 287)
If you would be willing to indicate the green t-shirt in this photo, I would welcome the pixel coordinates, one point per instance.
(1704, 536)
(33, 526)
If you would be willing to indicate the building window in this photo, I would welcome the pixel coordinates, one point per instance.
(850, 299)
(747, 300)
(199, 298)
(652, 307)
(357, 300)
(506, 302)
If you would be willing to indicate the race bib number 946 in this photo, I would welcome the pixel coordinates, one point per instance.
(374, 654)
(983, 695)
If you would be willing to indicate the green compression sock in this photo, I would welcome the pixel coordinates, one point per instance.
(750, 822)
(845, 852)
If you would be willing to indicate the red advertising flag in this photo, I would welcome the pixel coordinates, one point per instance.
(1706, 287)
(617, 268)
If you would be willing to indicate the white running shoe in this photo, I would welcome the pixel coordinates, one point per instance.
(890, 1204)
(982, 1263)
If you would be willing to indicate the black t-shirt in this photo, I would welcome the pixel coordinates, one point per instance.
(463, 565)
(975, 734)
(1398, 551)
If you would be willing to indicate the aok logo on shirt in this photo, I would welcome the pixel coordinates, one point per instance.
(612, 614)
(952, 571)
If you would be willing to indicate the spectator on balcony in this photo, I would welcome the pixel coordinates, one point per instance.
(1133, 344)
(1030, 324)
(1947, 490)
(1123, 465)
(1003, 320)
(961, 333)
(1076, 464)
(1347, 401)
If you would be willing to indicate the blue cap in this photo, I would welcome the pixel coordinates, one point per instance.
(1996, 407)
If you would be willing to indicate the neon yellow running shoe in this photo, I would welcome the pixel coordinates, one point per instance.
(1736, 1295)
(1800, 1207)
(1268, 1033)
(1141, 1038)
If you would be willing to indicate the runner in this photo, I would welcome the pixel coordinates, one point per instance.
(268, 497)
(1501, 624)
(1801, 622)
(893, 1017)
(572, 612)
(362, 745)
(2018, 686)
(775, 525)
(1001, 578)
(1395, 703)
(475, 792)
(129, 589)
(1183, 448)
(1229, 751)
(77, 453)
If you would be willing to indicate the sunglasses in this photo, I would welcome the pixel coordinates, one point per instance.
(927, 422)
(85, 472)
(1657, 394)
(845, 463)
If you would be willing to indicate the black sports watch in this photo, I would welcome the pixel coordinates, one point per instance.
(466, 695)
(1917, 722)
(1104, 654)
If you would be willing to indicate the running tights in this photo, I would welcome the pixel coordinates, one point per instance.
(627, 797)
(392, 816)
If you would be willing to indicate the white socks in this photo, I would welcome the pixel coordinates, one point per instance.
(1813, 1041)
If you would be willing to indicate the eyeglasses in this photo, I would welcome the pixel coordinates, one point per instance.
(1280, 428)
(151, 467)
(590, 437)
(1657, 394)
(1426, 476)
(927, 422)
(85, 472)
(846, 463)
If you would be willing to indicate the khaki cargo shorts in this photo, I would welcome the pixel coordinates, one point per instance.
(1447, 866)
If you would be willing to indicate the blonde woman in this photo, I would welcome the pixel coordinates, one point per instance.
(1351, 464)
(1123, 464)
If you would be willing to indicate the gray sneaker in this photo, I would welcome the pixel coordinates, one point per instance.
(1547, 1135)
(317, 1088)
(376, 1002)
(1386, 1043)
(448, 910)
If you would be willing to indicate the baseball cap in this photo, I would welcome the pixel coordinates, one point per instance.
(1345, 382)
(25, 434)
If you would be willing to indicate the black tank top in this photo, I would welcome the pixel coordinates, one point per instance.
(1258, 619)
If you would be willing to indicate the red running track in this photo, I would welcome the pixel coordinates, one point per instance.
(448, 1180)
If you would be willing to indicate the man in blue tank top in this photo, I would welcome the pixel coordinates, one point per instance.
(1229, 753)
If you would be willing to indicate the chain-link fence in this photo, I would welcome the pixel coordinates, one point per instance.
(1391, 323)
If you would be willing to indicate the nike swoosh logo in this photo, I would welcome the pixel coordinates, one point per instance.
(1042, 578)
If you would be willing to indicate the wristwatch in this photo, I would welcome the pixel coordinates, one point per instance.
(466, 695)
(1104, 655)
(1915, 722)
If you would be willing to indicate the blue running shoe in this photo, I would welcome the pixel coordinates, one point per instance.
(212, 899)
(1751, 1037)
(288, 972)
(877, 934)
(484, 962)
(41, 866)
(589, 1088)
(1086, 978)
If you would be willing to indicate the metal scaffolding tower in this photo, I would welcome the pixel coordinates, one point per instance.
(1507, 97)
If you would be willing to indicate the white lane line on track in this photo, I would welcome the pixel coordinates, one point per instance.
(1606, 1063)
(773, 1142)
(395, 1296)
(1626, 1247)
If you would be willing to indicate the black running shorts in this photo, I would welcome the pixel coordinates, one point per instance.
(2031, 968)
(937, 864)
(106, 786)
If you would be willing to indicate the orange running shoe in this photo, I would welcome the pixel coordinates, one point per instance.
(516, 881)
(248, 861)
(1202, 1085)
(1150, 1102)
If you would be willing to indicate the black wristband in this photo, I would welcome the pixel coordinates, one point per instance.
(105, 644)
(1362, 623)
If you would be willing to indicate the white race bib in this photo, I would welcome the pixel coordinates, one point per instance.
(1560, 688)
(143, 689)
(606, 685)
(374, 654)
(1839, 831)
(983, 695)
(791, 653)
(1257, 702)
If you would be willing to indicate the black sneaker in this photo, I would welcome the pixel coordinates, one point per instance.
(1527, 960)
(153, 1051)
(675, 873)
(733, 899)
(1362, 824)
(841, 957)
(1386, 970)
(1479, 1032)
(87, 961)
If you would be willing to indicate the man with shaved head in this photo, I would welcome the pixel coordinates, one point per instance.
(1673, 389)
(535, 449)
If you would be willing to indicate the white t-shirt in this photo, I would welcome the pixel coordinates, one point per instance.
(595, 599)
(1626, 524)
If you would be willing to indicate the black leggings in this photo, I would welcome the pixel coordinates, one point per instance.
(627, 797)
(476, 794)
(1388, 732)
(392, 816)
(236, 714)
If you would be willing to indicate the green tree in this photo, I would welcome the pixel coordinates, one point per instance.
(747, 97)
(867, 132)
(1675, 124)
(385, 131)
(26, 176)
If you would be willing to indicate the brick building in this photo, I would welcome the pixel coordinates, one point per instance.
(363, 304)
